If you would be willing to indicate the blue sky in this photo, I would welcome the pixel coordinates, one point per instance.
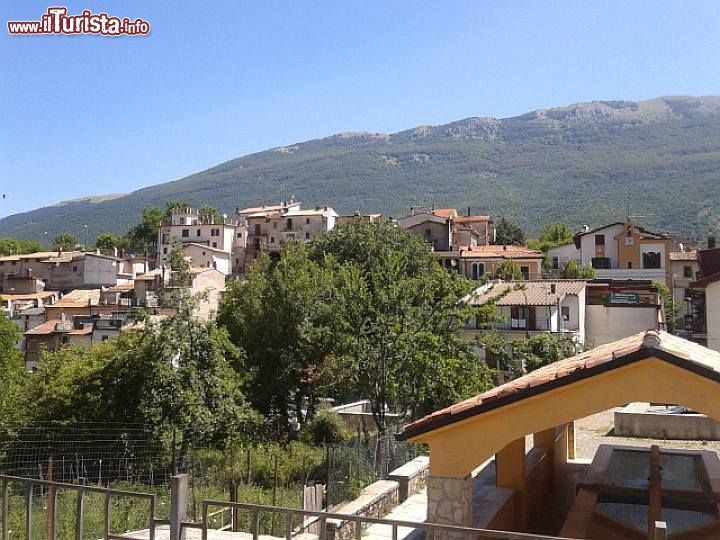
(87, 115)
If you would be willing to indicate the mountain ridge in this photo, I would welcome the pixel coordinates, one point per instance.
(571, 163)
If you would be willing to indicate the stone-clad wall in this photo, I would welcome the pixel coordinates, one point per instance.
(376, 500)
(449, 500)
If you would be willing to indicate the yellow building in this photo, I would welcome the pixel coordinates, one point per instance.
(483, 475)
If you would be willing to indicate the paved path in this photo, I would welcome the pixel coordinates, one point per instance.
(413, 509)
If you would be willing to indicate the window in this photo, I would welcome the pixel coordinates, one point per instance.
(599, 239)
(556, 263)
(199, 233)
(164, 251)
(525, 270)
(256, 244)
(74, 268)
(651, 259)
(239, 235)
(687, 271)
(185, 233)
(165, 238)
(478, 270)
(565, 312)
(307, 221)
(428, 232)
(629, 265)
(272, 239)
(307, 236)
(257, 229)
(601, 263)
(288, 225)
(214, 244)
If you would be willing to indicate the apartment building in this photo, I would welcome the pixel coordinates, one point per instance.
(270, 227)
(188, 226)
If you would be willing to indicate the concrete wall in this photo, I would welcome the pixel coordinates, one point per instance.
(605, 324)
(637, 420)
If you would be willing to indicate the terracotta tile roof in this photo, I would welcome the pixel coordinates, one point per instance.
(662, 345)
(683, 256)
(526, 293)
(46, 328)
(499, 252)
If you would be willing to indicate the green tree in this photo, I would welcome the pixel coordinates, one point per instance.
(508, 270)
(671, 308)
(180, 378)
(281, 316)
(171, 206)
(107, 243)
(540, 350)
(12, 370)
(143, 237)
(573, 270)
(66, 242)
(17, 246)
(398, 321)
(508, 232)
(327, 427)
(210, 214)
(179, 264)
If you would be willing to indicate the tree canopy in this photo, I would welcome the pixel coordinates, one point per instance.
(509, 233)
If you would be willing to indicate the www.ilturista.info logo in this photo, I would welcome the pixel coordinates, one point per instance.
(57, 21)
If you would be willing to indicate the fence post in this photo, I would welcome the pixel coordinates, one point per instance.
(178, 505)
(660, 530)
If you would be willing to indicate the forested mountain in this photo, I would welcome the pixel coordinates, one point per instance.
(572, 164)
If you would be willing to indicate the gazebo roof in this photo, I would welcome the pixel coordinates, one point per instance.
(675, 350)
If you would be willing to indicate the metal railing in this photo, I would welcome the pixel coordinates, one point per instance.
(52, 493)
(358, 521)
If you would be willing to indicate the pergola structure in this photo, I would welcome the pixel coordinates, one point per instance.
(492, 427)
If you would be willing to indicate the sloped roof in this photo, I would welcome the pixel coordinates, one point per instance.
(673, 349)
(471, 219)
(499, 252)
(704, 282)
(526, 293)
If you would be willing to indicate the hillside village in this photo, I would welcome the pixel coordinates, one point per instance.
(80, 297)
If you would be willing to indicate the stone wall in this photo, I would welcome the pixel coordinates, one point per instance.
(411, 477)
(376, 500)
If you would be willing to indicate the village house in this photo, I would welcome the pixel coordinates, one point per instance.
(270, 227)
(704, 321)
(204, 256)
(530, 307)
(480, 261)
(620, 250)
(684, 269)
(188, 226)
(435, 230)
(445, 230)
(51, 336)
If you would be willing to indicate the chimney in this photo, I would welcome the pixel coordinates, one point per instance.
(29, 272)
(553, 288)
(468, 211)
(712, 243)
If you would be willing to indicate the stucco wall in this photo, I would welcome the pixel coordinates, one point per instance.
(606, 324)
